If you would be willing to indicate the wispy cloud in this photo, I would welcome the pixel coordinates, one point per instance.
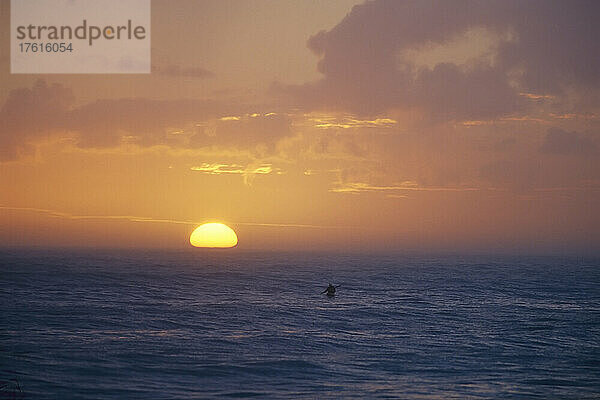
(540, 119)
(248, 172)
(329, 122)
(290, 225)
(310, 171)
(583, 116)
(217, 169)
(132, 218)
(534, 96)
(362, 187)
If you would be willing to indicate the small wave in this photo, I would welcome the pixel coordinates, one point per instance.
(242, 395)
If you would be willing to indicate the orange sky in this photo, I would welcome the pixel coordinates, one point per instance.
(307, 125)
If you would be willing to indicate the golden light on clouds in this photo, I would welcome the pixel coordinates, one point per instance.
(213, 235)
(217, 169)
(347, 122)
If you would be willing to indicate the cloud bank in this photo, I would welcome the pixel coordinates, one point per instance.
(42, 111)
(538, 47)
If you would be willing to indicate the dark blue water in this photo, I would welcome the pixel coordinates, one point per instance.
(195, 325)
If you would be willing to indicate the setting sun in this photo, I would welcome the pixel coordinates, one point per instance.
(214, 235)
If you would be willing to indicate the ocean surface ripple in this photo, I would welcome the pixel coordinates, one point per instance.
(191, 325)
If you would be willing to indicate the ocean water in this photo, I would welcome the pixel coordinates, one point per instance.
(192, 325)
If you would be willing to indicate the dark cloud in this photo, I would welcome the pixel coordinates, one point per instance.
(544, 46)
(46, 110)
(248, 131)
(457, 94)
(561, 142)
(103, 122)
(29, 113)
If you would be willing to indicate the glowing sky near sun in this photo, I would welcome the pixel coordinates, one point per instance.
(319, 125)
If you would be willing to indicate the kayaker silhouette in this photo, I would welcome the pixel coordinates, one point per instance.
(330, 290)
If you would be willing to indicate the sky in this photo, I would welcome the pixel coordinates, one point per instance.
(452, 126)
